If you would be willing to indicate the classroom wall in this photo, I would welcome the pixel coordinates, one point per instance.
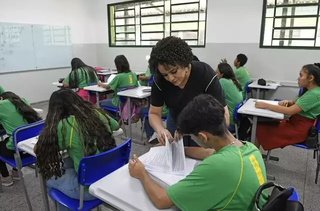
(37, 85)
(232, 27)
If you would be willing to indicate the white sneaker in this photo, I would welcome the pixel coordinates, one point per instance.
(6, 181)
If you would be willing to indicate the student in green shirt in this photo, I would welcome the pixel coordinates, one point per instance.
(302, 111)
(78, 127)
(144, 79)
(1, 90)
(229, 175)
(241, 72)
(124, 79)
(232, 89)
(81, 75)
(14, 112)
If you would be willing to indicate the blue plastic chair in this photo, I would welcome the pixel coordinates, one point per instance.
(247, 90)
(237, 118)
(19, 134)
(294, 196)
(150, 82)
(92, 169)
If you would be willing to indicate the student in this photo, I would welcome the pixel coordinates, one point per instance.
(124, 79)
(303, 111)
(1, 90)
(241, 72)
(78, 127)
(232, 89)
(81, 76)
(229, 175)
(143, 79)
(14, 112)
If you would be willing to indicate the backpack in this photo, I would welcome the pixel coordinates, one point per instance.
(135, 111)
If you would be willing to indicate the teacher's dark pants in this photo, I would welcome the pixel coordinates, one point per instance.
(171, 126)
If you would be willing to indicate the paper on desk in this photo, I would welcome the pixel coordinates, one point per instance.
(34, 141)
(111, 77)
(169, 158)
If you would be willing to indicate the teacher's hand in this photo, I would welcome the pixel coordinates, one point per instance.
(161, 136)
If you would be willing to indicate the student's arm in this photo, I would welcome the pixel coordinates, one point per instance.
(227, 115)
(156, 193)
(198, 153)
(106, 86)
(65, 82)
(294, 109)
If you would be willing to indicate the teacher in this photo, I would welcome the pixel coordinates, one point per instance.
(177, 80)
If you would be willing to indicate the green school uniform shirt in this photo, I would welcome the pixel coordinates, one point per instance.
(145, 82)
(83, 78)
(74, 146)
(212, 183)
(310, 103)
(1, 90)
(243, 77)
(10, 119)
(233, 96)
(122, 80)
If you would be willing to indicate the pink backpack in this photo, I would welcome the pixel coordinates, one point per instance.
(98, 69)
(135, 112)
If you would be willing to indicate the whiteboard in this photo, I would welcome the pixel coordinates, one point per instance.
(29, 47)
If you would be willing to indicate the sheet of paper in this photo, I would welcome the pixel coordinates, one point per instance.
(34, 141)
(169, 158)
(111, 77)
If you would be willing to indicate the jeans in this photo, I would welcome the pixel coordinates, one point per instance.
(68, 185)
(171, 126)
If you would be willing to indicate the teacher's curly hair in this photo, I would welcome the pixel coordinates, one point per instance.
(171, 51)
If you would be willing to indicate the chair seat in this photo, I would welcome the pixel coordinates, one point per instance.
(26, 161)
(73, 204)
(109, 108)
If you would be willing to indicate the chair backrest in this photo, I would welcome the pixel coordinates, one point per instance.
(93, 168)
(300, 90)
(246, 88)
(150, 82)
(27, 131)
(235, 115)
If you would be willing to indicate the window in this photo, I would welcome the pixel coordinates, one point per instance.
(290, 24)
(144, 23)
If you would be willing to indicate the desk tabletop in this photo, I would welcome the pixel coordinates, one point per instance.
(95, 88)
(57, 84)
(107, 72)
(249, 109)
(123, 192)
(136, 92)
(271, 86)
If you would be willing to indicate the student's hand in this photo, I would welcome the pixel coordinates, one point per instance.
(284, 103)
(224, 60)
(262, 105)
(100, 83)
(177, 136)
(161, 136)
(141, 77)
(136, 168)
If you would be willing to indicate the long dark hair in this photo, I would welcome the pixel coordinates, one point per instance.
(122, 64)
(77, 65)
(93, 133)
(27, 112)
(312, 69)
(227, 72)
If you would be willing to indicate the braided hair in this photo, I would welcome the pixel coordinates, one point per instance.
(93, 133)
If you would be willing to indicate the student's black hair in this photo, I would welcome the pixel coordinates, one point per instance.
(122, 64)
(312, 69)
(227, 72)
(93, 133)
(169, 51)
(203, 113)
(242, 59)
(195, 58)
(26, 111)
(77, 66)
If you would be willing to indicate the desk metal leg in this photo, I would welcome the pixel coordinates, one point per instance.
(129, 117)
(258, 93)
(254, 129)
(43, 187)
(1, 190)
(97, 99)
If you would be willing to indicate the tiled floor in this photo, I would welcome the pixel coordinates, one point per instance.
(296, 168)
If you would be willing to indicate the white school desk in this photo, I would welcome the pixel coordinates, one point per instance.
(249, 109)
(269, 86)
(106, 74)
(57, 84)
(28, 145)
(124, 192)
(97, 90)
(139, 72)
(135, 93)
